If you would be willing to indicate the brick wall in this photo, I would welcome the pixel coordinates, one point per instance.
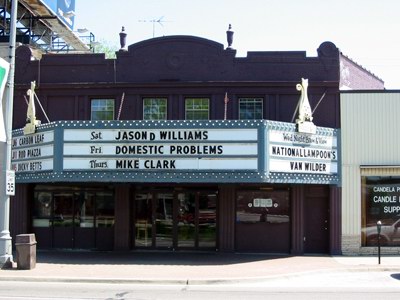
(355, 77)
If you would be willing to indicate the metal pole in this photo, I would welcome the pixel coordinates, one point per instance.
(379, 227)
(6, 257)
(379, 248)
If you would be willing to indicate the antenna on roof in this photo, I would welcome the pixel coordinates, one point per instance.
(154, 21)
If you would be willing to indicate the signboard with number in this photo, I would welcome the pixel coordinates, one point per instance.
(10, 183)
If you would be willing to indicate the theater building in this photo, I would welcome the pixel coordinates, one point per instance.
(177, 144)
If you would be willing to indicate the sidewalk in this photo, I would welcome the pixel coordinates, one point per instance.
(185, 268)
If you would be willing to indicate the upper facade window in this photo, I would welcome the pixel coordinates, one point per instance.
(154, 109)
(197, 108)
(250, 108)
(102, 109)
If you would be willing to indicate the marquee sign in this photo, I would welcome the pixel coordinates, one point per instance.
(182, 149)
(175, 151)
(33, 152)
(302, 153)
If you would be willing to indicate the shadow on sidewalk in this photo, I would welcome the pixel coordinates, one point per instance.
(149, 258)
(395, 276)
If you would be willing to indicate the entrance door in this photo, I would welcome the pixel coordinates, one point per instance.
(154, 220)
(162, 215)
(186, 223)
(70, 217)
(73, 220)
(263, 220)
(316, 222)
(63, 220)
(175, 220)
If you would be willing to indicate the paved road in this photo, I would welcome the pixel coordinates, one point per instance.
(337, 279)
(329, 285)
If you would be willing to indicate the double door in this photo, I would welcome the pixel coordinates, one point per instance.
(175, 220)
(73, 217)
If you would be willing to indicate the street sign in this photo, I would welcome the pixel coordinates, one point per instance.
(10, 183)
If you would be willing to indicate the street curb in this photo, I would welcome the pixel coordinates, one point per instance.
(186, 282)
(96, 280)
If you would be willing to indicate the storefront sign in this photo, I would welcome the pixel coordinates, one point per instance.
(387, 198)
(184, 149)
(292, 152)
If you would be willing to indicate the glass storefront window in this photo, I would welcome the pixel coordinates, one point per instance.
(380, 201)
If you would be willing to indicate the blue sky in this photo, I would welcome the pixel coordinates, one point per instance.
(367, 31)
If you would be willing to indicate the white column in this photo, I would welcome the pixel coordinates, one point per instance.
(5, 238)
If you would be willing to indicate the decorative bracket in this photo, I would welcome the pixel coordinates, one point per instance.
(304, 120)
(31, 121)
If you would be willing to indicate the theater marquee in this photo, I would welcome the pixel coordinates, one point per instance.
(166, 149)
(294, 152)
(175, 151)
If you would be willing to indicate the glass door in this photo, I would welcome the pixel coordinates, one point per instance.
(164, 220)
(196, 222)
(143, 220)
(207, 225)
(84, 210)
(154, 220)
(175, 220)
(72, 217)
(63, 218)
(186, 222)
(73, 220)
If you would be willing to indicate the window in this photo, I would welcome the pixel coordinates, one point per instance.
(380, 202)
(250, 108)
(154, 109)
(197, 108)
(102, 109)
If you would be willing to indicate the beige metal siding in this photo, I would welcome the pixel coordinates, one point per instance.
(370, 127)
(370, 132)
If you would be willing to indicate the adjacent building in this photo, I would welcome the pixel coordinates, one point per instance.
(370, 171)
